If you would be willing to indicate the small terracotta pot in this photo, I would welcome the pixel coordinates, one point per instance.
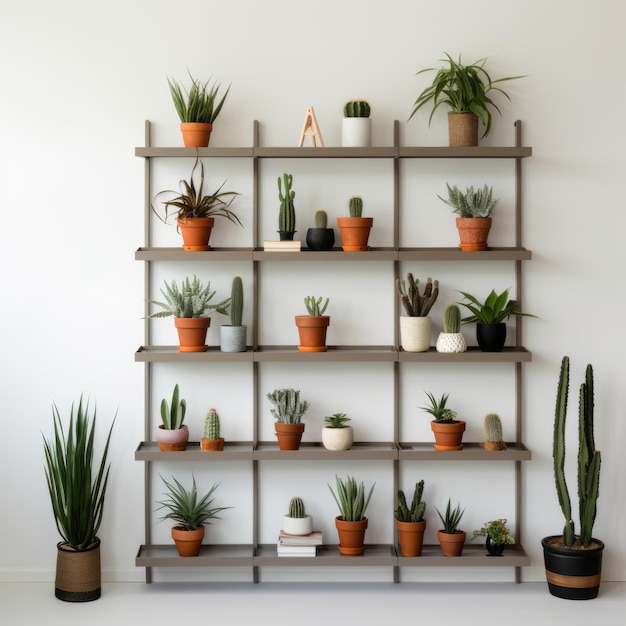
(188, 542)
(172, 440)
(448, 435)
(473, 233)
(451, 545)
(355, 232)
(192, 333)
(289, 435)
(312, 330)
(411, 537)
(351, 536)
(212, 445)
(196, 232)
(196, 134)
(462, 129)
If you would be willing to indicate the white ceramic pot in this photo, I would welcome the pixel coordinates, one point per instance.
(298, 525)
(451, 342)
(415, 333)
(356, 132)
(337, 438)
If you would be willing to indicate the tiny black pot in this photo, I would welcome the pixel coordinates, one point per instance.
(493, 548)
(491, 337)
(286, 235)
(320, 238)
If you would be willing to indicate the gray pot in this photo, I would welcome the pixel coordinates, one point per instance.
(233, 338)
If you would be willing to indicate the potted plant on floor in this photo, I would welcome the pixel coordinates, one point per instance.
(410, 522)
(490, 317)
(447, 429)
(312, 327)
(355, 230)
(356, 129)
(190, 512)
(190, 305)
(172, 435)
(451, 340)
(288, 411)
(351, 524)
(77, 486)
(287, 210)
(451, 539)
(321, 237)
(416, 325)
(336, 434)
(493, 433)
(197, 108)
(212, 441)
(465, 89)
(574, 562)
(196, 211)
(498, 536)
(233, 336)
(474, 209)
(296, 521)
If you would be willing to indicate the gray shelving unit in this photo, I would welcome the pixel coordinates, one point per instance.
(256, 556)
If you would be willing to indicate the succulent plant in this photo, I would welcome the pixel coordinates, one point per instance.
(451, 518)
(212, 426)
(288, 407)
(496, 530)
(321, 219)
(191, 300)
(236, 301)
(356, 108)
(351, 499)
(296, 508)
(336, 420)
(452, 319)
(414, 304)
(438, 410)
(356, 206)
(198, 103)
(416, 512)
(478, 203)
(313, 306)
(287, 212)
(173, 415)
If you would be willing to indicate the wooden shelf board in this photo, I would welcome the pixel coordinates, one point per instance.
(210, 556)
(472, 451)
(360, 451)
(233, 451)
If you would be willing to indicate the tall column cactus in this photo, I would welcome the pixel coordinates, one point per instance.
(287, 212)
(236, 301)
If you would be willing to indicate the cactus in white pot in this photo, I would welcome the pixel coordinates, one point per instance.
(451, 340)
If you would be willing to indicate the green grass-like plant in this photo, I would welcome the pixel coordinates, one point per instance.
(199, 103)
(451, 519)
(437, 408)
(192, 299)
(351, 499)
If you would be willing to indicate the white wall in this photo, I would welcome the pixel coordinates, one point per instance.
(80, 78)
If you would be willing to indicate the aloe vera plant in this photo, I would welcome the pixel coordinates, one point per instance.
(351, 498)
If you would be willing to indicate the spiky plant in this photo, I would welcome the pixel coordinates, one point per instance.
(356, 108)
(355, 205)
(314, 306)
(212, 426)
(287, 211)
(351, 498)
(451, 518)
(173, 415)
(321, 219)
(472, 203)
(76, 485)
(296, 508)
(236, 301)
(414, 304)
(452, 319)
(192, 299)
(199, 103)
(418, 508)
(336, 420)
(437, 408)
(288, 407)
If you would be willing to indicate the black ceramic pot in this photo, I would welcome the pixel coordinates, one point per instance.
(320, 238)
(491, 337)
(493, 548)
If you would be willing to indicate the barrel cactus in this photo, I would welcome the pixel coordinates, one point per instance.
(296, 508)
(356, 108)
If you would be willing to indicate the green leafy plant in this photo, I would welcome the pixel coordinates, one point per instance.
(589, 459)
(437, 408)
(418, 508)
(288, 407)
(173, 415)
(287, 211)
(472, 203)
(199, 103)
(336, 420)
(313, 306)
(192, 202)
(186, 508)
(76, 485)
(192, 299)
(296, 508)
(462, 88)
(351, 498)
(451, 518)
(356, 108)
(495, 309)
(414, 304)
(496, 530)
(355, 206)
(212, 425)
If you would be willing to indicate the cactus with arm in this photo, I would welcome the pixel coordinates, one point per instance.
(287, 212)
(313, 306)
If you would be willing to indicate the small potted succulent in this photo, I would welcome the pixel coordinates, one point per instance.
(288, 411)
(410, 522)
(287, 211)
(233, 335)
(320, 237)
(447, 429)
(312, 328)
(172, 435)
(451, 539)
(451, 340)
(336, 434)
(355, 230)
(493, 433)
(498, 536)
(212, 441)
(190, 305)
(190, 512)
(356, 129)
(416, 325)
(197, 108)
(297, 522)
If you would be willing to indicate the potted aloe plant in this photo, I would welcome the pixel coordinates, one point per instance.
(410, 521)
(288, 411)
(447, 429)
(355, 230)
(356, 128)
(451, 539)
(233, 335)
(416, 325)
(172, 435)
(197, 108)
(312, 328)
(336, 433)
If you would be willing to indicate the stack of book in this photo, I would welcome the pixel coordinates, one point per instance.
(271, 245)
(298, 545)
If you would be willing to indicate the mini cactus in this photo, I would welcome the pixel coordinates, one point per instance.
(416, 512)
(414, 304)
(493, 432)
(313, 306)
(288, 408)
(236, 301)
(296, 508)
(287, 212)
(212, 429)
(321, 219)
(356, 108)
(452, 319)
(356, 206)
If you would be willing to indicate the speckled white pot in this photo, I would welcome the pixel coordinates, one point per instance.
(451, 342)
(415, 333)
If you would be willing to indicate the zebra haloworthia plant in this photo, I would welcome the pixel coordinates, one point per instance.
(297, 522)
(287, 211)
(191, 300)
(451, 340)
(212, 441)
(493, 433)
(472, 203)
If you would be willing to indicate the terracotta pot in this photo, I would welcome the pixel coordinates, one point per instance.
(473, 233)
(451, 343)
(491, 337)
(451, 545)
(462, 129)
(448, 435)
(351, 536)
(289, 435)
(337, 438)
(415, 333)
(320, 238)
(355, 232)
(411, 537)
(572, 574)
(196, 232)
(212, 445)
(196, 134)
(188, 542)
(77, 573)
(192, 333)
(312, 330)
(172, 440)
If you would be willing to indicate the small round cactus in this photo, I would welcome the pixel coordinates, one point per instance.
(321, 219)
(296, 508)
(356, 108)
(356, 206)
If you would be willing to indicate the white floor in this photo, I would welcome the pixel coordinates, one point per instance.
(303, 604)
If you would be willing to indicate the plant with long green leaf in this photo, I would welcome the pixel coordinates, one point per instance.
(173, 415)
(77, 493)
(351, 498)
(191, 299)
(451, 518)
(199, 103)
(497, 308)
(438, 409)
